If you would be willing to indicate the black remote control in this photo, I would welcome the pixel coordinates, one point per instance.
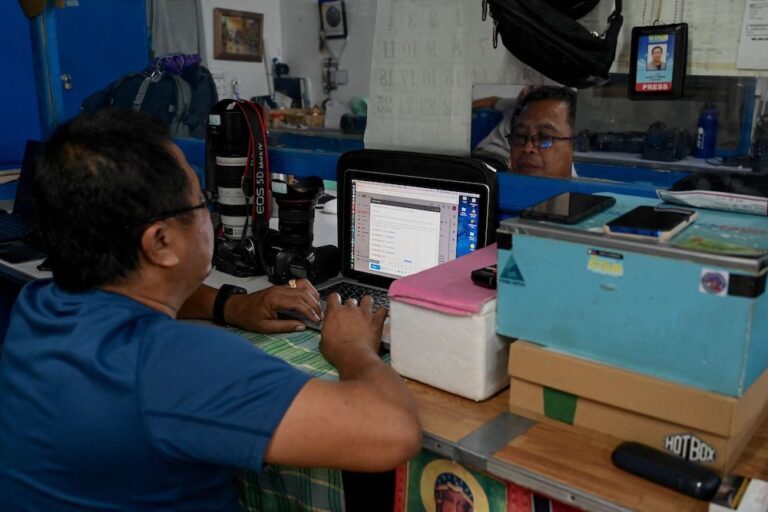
(665, 469)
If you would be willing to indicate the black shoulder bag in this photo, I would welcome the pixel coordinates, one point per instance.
(553, 43)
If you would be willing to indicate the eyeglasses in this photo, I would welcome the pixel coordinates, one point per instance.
(538, 141)
(174, 213)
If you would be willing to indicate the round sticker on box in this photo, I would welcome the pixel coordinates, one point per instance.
(713, 282)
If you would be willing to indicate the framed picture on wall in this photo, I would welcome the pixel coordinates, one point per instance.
(333, 19)
(238, 35)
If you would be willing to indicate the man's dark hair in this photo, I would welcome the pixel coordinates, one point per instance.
(657, 47)
(100, 178)
(548, 92)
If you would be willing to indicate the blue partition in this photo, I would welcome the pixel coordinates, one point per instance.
(299, 162)
(516, 192)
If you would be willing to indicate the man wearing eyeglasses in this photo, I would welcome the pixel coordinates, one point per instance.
(542, 135)
(108, 403)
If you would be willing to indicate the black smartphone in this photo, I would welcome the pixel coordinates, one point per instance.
(485, 277)
(568, 207)
(651, 222)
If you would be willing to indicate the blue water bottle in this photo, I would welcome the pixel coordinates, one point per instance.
(706, 132)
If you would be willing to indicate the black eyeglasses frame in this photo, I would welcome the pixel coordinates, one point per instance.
(538, 141)
(173, 213)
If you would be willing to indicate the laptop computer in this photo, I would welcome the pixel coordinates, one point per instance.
(19, 229)
(393, 225)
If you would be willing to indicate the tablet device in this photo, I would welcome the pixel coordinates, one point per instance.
(568, 207)
(651, 222)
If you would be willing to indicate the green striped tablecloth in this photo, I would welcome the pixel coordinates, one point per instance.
(301, 349)
(293, 489)
(288, 488)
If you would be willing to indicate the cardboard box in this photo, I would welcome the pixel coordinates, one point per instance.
(691, 310)
(296, 117)
(708, 428)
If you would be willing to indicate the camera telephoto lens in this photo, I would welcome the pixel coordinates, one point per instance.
(235, 168)
(297, 211)
(233, 205)
(290, 254)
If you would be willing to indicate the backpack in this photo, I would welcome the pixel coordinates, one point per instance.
(546, 37)
(180, 100)
(204, 97)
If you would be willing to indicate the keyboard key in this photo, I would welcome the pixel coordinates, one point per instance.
(357, 292)
(12, 228)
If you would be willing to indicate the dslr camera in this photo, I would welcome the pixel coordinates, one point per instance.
(288, 253)
(237, 171)
(666, 144)
(284, 254)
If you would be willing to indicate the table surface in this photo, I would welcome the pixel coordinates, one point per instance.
(688, 163)
(570, 464)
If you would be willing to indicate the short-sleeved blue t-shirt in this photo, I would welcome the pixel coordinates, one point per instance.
(106, 404)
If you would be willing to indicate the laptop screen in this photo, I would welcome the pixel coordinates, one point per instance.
(398, 229)
(24, 204)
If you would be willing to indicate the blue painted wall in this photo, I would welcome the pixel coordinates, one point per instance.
(18, 96)
(98, 42)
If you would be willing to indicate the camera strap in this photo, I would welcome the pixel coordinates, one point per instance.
(256, 180)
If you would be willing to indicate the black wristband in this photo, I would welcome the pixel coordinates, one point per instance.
(225, 292)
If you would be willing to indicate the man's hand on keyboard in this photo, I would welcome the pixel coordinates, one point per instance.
(349, 328)
(258, 311)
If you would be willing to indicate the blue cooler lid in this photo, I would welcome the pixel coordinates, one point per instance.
(725, 239)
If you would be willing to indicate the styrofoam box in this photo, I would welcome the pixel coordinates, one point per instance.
(458, 354)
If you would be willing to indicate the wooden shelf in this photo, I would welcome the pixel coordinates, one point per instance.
(570, 464)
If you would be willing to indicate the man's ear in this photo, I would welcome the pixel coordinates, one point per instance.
(157, 245)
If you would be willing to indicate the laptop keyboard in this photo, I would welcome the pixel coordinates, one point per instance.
(357, 292)
(12, 228)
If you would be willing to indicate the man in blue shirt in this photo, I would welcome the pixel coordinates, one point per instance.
(108, 403)
(542, 136)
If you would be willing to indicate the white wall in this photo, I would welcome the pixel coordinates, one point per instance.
(300, 37)
(250, 75)
(291, 32)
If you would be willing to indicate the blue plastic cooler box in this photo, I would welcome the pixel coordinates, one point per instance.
(691, 310)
